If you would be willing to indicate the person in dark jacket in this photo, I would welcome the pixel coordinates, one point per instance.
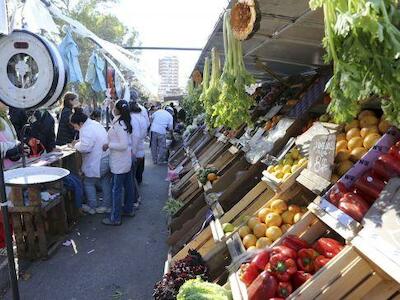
(66, 133)
(42, 129)
(18, 118)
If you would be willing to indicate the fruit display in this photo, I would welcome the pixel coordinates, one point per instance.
(269, 224)
(278, 271)
(291, 162)
(356, 200)
(358, 137)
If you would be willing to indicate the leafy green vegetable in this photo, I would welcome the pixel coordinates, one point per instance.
(206, 79)
(212, 93)
(191, 103)
(232, 108)
(363, 41)
(197, 289)
(172, 206)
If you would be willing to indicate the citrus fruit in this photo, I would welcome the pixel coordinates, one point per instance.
(368, 121)
(367, 130)
(273, 219)
(274, 233)
(243, 231)
(365, 113)
(263, 242)
(342, 155)
(278, 206)
(287, 217)
(249, 240)
(252, 222)
(355, 142)
(357, 153)
(228, 227)
(384, 126)
(370, 140)
(297, 217)
(259, 230)
(285, 227)
(294, 208)
(352, 124)
(354, 132)
(341, 145)
(251, 248)
(263, 213)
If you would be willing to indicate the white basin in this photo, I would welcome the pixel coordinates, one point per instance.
(34, 175)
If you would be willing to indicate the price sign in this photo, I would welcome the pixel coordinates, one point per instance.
(322, 155)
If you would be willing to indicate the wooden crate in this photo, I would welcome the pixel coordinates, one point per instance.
(40, 227)
(348, 275)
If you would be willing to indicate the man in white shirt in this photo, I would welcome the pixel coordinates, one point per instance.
(162, 121)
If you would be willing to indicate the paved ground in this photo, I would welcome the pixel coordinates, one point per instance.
(125, 263)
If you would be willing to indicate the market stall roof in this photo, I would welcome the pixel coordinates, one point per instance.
(288, 42)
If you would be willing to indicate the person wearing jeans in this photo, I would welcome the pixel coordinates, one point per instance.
(119, 140)
(162, 121)
(95, 162)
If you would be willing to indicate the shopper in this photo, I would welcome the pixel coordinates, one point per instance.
(95, 162)
(162, 120)
(42, 131)
(18, 118)
(140, 124)
(119, 137)
(66, 133)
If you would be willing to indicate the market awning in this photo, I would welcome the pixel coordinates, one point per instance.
(288, 42)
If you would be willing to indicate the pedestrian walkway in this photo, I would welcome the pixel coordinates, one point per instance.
(115, 263)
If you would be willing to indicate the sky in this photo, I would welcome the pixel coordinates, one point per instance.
(172, 23)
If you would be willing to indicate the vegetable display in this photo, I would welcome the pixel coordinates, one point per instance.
(356, 200)
(191, 103)
(232, 108)
(362, 40)
(207, 174)
(276, 272)
(201, 290)
(191, 267)
(212, 92)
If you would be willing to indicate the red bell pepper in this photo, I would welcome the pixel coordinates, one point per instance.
(288, 252)
(284, 289)
(263, 287)
(354, 206)
(337, 192)
(299, 278)
(390, 160)
(249, 273)
(368, 199)
(276, 298)
(295, 243)
(305, 260)
(320, 261)
(261, 259)
(384, 170)
(328, 247)
(370, 185)
(282, 267)
(394, 151)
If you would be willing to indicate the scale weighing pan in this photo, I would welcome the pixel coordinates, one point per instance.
(34, 175)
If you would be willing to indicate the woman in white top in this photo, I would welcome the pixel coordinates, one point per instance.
(95, 161)
(140, 126)
(119, 137)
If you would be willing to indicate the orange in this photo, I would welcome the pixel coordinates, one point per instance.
(341, 145)
(249, 240)
(263, 213)
(297, 217)
(273, 219)
(287, 217)
(243, 231)
(259, 230)
(357, 153)
(279, 206)
(294, 208)
(252, 222)
(285, 227)
(274, 233)
(368, 121)
(251, 248)
(342, 155)
(263, 242)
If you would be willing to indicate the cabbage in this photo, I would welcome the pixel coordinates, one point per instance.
(197, 289)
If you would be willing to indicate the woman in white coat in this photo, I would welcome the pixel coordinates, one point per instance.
(119, 140)
(95, 162)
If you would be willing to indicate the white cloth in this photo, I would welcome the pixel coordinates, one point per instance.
(119, 141)
(10, 138)
(140, 124)
(162, 120)
(92, 137)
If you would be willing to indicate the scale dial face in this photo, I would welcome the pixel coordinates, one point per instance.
(27, 67)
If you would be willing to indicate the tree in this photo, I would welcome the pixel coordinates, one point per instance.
(93, 14)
